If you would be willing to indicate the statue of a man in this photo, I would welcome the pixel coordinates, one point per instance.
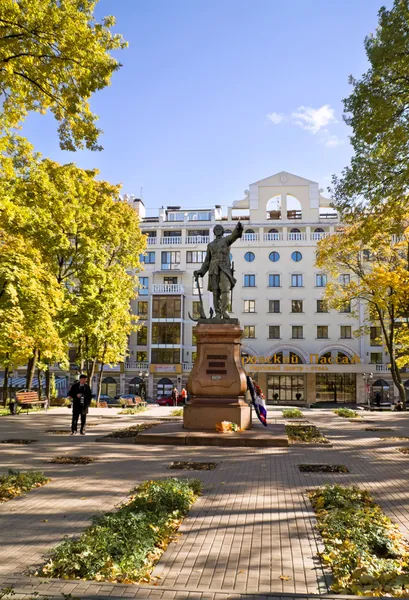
(217, 263)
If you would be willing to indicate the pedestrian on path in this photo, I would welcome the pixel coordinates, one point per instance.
(80, 394)
(175, 396)
(183, 393)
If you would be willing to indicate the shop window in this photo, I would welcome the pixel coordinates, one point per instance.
(164, 387)
(134, 386)
(336, 387)
(109, 387)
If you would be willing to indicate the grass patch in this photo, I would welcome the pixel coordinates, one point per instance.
(292, 413)
(347, 413)
(72, 460)
(130, 432)
(178, 412)
(366, 551)
(133, 410)
(16, 441)
(403, 450)
(323, 469)
(309, 434)
(193, 466)
(16, 483)
(123, 546)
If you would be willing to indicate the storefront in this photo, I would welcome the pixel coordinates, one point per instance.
(285, 388)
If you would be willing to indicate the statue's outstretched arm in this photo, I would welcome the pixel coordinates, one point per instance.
(235, 235)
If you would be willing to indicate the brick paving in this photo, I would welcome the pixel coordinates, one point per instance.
(250, 535)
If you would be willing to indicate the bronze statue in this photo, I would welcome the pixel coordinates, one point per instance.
(221, 273)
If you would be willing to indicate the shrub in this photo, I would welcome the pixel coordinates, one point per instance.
(16, 483)
(366, 551)
(124, 545)
(305, 433)
(178, 412)
(347, 413)
(292, 413)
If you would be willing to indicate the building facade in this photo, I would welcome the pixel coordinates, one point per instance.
(297, 349)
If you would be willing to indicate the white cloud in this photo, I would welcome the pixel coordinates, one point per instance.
(313, 119)
(332, 141)
(275, 118)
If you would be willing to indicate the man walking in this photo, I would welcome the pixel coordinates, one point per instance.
(80, 394)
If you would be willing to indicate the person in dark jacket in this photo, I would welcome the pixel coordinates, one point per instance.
(80, 394)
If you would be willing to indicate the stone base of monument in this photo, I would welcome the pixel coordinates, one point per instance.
(217, 383)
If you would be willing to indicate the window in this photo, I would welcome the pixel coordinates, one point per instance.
(322, 306)
(175, 216)
(320, 280)
(274, 256)
(295, 230)
(274, 281)
(274, 306)
(296, 256)
(297, 281)
(346, 332)
(199, 216)
(170, 280)
(297, 332)
(376, 358)
(249, 332)
(344, 279)
(249, 281)
(274, 332)
(249, 306)
(366, 254)
(296, 306)
(142, 336)
(227, 232)
(165, 333)
(195, 256)
(166, 307)
(165, 356)
(143, 309)
(345, 308)
(197, 282)
(318, 230)
(143, 285)
(322, 332)
(249, 256)
(376, 336)
(171, 260)
(196, 309)
(148, 258)
(141, 356)
(249, 231)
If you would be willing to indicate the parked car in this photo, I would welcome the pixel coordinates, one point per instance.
(109, 400)
(123, 399)
(168, 401)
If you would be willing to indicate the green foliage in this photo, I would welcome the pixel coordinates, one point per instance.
(178, 412)
(133, 410)
(54, 56)
(16, 483)
(124, 545)
(305, 433)
(347, 413)
(292, 413)
(366, 551)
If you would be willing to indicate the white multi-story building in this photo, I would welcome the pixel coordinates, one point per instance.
(299, 351)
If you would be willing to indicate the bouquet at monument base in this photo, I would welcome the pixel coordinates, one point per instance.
(226, 427)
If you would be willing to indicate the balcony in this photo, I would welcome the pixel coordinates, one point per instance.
(168, 288)
(197, 239)
(296, 237)
(138, 366)
(273, 237)
(382, 368)
(171, 240)
(250, 237)
(187, 366)
(151, 240)
(316, 236)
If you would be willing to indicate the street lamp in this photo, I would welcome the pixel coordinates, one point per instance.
(367, 377)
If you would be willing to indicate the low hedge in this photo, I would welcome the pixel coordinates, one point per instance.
(366, 551)
(347, 413)
(123, 546)
(292, 413)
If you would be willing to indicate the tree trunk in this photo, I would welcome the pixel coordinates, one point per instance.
(91, 371)
(100, 373)
(48, 383)
(31, 365)
(40, 382)
(6, 386)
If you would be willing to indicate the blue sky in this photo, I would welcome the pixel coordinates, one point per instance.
(216, 94)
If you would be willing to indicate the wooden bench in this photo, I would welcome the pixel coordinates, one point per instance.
(25, 399)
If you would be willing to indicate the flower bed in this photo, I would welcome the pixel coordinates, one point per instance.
(72, 460)
(16, 483)
(292, 413)
(308, 434)
(347, 413)
(323, 469)
(123, 546)
(366, 551)
(130, 432)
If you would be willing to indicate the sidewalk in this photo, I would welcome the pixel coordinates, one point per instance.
(251, 533)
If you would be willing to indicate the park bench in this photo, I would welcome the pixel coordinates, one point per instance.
(128, 402)
(26, 399)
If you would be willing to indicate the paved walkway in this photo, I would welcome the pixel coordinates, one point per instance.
(251, 533)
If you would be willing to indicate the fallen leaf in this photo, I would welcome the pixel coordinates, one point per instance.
(284, 577)
(45, 520)
(83, 498)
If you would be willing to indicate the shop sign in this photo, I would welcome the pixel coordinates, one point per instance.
(278, 359)
(165, 368)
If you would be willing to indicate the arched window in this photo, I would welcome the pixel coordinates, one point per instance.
(295, 230)
(134, 385)
(164, 387)
(273, 208)
(324, 357)
(296, 256)
(249, 231)
(273, 231)
(318, 230)
(274, 256)
(249, 256)
(295, 358)
(109, 387)
(294, 208)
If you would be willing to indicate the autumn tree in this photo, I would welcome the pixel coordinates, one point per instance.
(377, 258)
(53, 56)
